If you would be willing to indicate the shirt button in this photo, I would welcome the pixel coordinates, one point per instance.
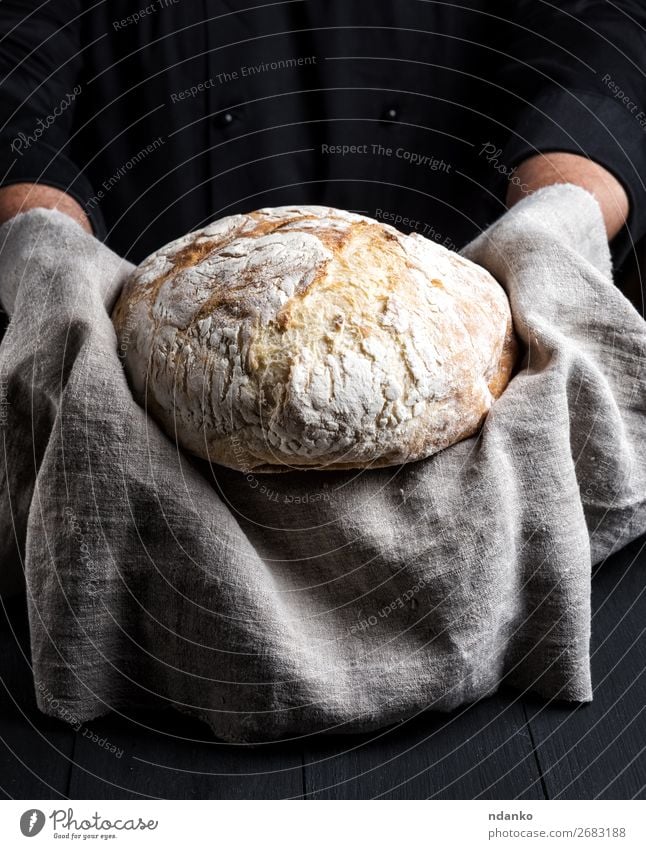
(223, 119)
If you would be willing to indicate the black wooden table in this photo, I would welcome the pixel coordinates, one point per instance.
(511, 746)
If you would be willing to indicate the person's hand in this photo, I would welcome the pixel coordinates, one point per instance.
(45, 250)
(21, 197)
(545, 169)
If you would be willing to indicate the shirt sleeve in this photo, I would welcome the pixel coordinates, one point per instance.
(40, 66)
(574, 69)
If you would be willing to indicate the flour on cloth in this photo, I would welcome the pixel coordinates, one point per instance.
(282, 604)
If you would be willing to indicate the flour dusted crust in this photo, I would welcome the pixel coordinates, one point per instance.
(313, 338)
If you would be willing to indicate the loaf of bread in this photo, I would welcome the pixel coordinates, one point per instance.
(313, 338)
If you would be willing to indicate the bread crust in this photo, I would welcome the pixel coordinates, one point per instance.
(313, 338)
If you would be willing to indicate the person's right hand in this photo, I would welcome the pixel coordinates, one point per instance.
(21, 197)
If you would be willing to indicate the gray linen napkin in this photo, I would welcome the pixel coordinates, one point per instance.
(276, 605)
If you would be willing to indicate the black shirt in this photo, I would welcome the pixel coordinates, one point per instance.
(160, 116)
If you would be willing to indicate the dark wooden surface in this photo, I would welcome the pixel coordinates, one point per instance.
(505, 747)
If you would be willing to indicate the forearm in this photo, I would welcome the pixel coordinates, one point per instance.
(22, 197)
(545, 169)
(565, 67)
(41, 67)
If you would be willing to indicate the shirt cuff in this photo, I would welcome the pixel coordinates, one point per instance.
(599, 127)
(43, 164)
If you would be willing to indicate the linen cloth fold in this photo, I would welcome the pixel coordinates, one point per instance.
(284, 604)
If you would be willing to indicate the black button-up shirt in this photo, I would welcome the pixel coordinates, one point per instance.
(163, 115)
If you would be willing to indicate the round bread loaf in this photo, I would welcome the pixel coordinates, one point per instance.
(313, 338)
